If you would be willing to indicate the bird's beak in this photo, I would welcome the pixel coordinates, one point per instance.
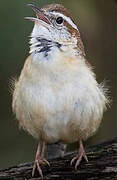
(41, 17)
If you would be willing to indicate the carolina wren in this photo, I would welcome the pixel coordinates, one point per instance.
(57, 97)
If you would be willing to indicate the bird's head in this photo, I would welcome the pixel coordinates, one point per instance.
(54, 27)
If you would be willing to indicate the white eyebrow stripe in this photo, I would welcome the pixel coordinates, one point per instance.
(66, 18)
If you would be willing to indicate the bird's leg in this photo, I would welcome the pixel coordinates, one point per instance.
(62, 149)
(39, 159)
(78, 158)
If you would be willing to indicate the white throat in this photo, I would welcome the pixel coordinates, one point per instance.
(45, 44)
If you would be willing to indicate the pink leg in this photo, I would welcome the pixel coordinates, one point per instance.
(39, 159)
(78, 158)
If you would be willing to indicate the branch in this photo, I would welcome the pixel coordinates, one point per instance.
(102, 165)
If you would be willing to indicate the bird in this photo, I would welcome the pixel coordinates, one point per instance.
(57, 97)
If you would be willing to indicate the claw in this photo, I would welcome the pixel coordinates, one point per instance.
(37, 164)
(39, 159)
(46, 162)
(72, 161)
(78, 158)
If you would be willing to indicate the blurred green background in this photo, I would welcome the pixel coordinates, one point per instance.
(97, 21)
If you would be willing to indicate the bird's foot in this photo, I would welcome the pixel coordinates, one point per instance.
(78, 158)
(37, 163)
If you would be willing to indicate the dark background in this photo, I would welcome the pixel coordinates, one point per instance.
(97, 21)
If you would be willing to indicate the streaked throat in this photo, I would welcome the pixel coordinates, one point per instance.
(42, 45)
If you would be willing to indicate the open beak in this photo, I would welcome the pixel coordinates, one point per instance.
(41, 17)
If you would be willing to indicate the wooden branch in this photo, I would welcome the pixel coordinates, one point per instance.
(102, 165)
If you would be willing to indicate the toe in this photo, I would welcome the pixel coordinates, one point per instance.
(72, 161)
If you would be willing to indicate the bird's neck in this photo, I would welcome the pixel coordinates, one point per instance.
(42, 45)
(45, 49)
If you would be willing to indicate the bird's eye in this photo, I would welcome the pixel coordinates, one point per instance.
(59, 20)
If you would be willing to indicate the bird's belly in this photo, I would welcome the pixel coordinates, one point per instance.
(66, 113)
